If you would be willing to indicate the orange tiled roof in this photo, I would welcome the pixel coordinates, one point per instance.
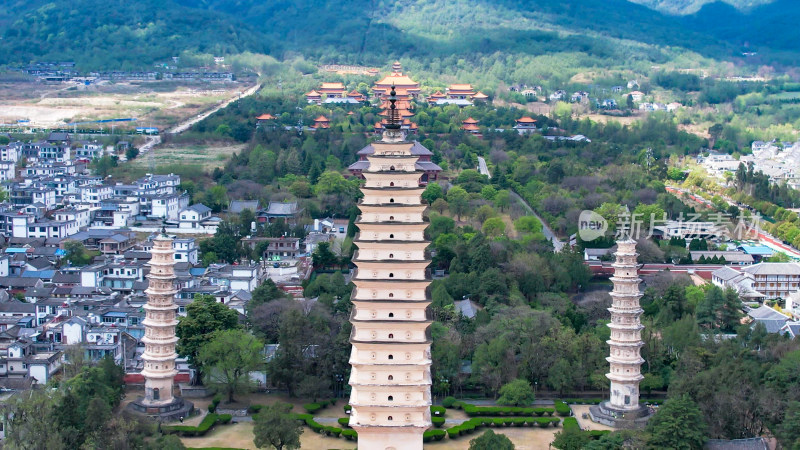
(321, 119)
(265, 117)
(460, 87)
(480, 96)
(313, 93)
(335, 85)
(470, 127)
(470, 120)
(526, 119)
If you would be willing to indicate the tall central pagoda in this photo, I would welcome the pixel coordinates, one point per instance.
(390, 359)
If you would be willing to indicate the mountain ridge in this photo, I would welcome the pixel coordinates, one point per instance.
(120, 34)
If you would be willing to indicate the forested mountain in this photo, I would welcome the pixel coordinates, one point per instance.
(692, 6)
(116, 33)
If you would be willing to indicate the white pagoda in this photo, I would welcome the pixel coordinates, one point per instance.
(159, 338)
(390, 358)
(622, 410)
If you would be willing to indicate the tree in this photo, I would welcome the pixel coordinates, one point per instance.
(31, 421)
(440, 205)
(458, 201)
(266, 292)
(491, 441)
(275, 428)
(560, 375)
(228, 358)
(528, 224)
(516, 393)
(502, 199)
(679, 423)
(323, 257)
(204, 316)
(77, 254)
(789, 430)
(131, 153)
(432, 193)
(571, 438)
(494, 226)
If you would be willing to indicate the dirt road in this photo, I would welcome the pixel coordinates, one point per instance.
(185, 125)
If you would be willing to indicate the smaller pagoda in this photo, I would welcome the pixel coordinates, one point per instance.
(321, 122)
(470, 125)
(159, 401)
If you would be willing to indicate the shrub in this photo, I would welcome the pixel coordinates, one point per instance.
(344, 421)
(332, 402)
(315, 426)
(571, 423)
(208, 422)
(562, 408)
(347, 408)
(254, 409)
(448, 402)
(597, 434)
(211, 408)
(350, 435)
(217, 398)
(312, 407)
(498, 422)
(453, 432)
(438, 422)
(438, 410)
(437, 435)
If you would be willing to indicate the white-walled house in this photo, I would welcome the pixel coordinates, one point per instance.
(185, 250)
(81, 216)
(169, 206)
(193, 216)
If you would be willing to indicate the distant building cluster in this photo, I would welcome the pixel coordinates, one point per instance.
(780, 161)
(66, 71)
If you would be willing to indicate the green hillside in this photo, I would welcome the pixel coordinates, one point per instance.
(122, 34)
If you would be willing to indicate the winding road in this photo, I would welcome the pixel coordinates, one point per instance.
(546, 230)
(185, 125)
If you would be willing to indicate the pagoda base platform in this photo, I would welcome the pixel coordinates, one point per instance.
(171, 412)
(634, 419)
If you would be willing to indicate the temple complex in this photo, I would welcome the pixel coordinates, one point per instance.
(622, 410)
(332, 89)
(405, 88)
(390, 358)
(159, 339)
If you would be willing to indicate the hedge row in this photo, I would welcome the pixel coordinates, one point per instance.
(448, 402)
(432, 435)
(344, 421)
(474, 411)
(438, 410)
(470, 425)
(314, 407)
(317, 427)
(584, 401)
(208, 422)
(562, 409)
(350, 435)
(438, 422)
(570, 422)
